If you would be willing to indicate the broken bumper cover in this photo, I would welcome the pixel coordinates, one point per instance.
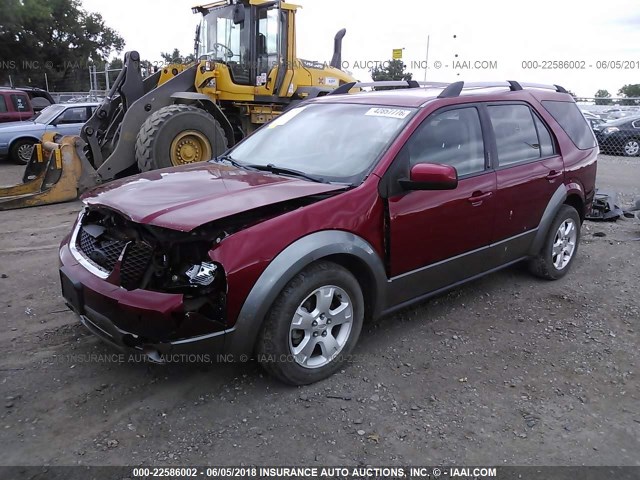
(151, 323)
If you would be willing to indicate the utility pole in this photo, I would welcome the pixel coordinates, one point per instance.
(426, 66)
(95, 78)
(46, 81)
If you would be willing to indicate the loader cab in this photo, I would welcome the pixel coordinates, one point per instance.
(249, 37)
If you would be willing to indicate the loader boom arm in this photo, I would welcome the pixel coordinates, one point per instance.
(102, 130)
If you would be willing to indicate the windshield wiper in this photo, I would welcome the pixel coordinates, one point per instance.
(286, 171)
(229, 159)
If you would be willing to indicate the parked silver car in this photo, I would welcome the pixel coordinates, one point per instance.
(18, 138)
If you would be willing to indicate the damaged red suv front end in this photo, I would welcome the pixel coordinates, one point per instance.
(146, 279)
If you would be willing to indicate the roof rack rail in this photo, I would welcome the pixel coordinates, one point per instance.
(455, 89)
(342, 89)
(451, 90)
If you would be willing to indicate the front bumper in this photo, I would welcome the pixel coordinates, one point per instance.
(152, 323)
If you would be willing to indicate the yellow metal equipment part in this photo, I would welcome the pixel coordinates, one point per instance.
(51, 176)
(190, 146)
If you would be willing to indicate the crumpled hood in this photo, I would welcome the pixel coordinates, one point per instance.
(183, 198)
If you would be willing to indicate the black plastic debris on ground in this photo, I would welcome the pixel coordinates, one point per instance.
(604, 208)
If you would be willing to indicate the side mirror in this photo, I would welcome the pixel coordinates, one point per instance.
(431, 176)
(238, 15)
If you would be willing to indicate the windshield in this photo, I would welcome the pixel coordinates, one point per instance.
(332, 142)
(222, 39)
(48, 114)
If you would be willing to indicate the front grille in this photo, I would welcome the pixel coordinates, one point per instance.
(104, 253)
(134, 264)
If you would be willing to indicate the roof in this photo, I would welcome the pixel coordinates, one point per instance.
(622, 120)
(426, 93)
(79, 104)
(11, 90)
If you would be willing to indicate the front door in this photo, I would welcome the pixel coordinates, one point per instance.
(437, 237)
(70, 121)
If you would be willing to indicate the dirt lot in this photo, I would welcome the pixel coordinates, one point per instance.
(506, 370)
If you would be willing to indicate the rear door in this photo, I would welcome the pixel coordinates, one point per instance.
(436, 237)
(529, 170)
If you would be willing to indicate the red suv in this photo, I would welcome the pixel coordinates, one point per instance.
(15, 106)
(344, 208)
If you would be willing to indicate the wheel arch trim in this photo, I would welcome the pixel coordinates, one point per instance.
(286, 265)
(23, 137)
(554, 205)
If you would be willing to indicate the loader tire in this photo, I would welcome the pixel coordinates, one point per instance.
(178, 135)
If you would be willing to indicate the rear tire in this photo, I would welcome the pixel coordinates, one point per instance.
(20, 151)
(560, 247)
(313, 325)
(178, 135)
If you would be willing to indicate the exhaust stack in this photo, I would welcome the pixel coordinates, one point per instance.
(336, 61)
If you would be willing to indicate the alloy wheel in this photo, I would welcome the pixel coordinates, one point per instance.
(631, 148)
(564, 244)
(321, 326)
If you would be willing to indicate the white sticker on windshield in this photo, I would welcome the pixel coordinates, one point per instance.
(398, 113)
(286, 117)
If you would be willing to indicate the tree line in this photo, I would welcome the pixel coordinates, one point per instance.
(53, 37)
(627, 94)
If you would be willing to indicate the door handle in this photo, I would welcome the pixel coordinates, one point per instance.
(478, 197)
(553, 174)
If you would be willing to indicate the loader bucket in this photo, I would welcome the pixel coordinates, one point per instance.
(51, 176)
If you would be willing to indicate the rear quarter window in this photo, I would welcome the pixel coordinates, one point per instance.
(20, 103)
(568, 115)
(3, 105)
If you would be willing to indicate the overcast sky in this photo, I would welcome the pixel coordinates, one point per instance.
(504, 32)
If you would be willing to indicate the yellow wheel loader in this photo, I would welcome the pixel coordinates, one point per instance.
(246, 74)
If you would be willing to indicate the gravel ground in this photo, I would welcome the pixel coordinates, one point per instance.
(506, 370)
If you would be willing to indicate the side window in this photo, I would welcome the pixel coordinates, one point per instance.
(568, 115)
(72, 115)
(635, 124)
(544, 136)
(453, 137)
(516, 134)
(3, 105)
(20, 103)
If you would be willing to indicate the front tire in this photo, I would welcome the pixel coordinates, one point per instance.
(560, 246)
(313, 325)
(631, 148)
(21, 150)
(178, 135)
